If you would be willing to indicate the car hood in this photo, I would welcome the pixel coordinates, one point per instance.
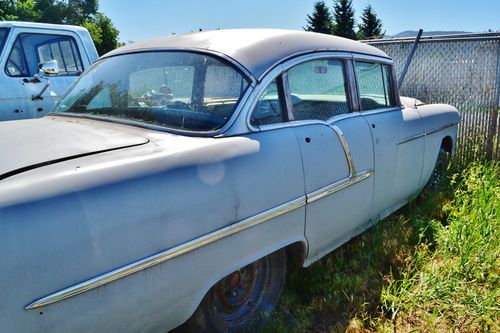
(29, 144)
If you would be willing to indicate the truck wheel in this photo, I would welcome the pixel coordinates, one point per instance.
(435, 182)
(243, 300)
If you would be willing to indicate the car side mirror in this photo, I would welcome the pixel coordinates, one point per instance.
(48, 68)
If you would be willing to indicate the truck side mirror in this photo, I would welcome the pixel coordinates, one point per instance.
(48, 68)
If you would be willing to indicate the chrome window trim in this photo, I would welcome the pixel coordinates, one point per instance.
(347, 86)
(370, 58)
(319, 53)
(353, 86)
(213, 133)
(256, 94)
(393, 80)
(282, 69)
(168, 254)
(227, 58)
(287, 96)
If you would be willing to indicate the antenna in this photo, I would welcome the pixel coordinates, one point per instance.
(410, 57)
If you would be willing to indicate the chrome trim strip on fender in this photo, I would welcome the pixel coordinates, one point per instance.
(167, 254)
(411, 138)
(337, 186)
(421, 135)
(439, 129)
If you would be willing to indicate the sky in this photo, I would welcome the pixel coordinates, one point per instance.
(144, 19)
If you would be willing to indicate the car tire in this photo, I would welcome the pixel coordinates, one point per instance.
(243, 300)
(435, 182)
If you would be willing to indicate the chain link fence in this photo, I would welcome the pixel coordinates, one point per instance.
(460, 70)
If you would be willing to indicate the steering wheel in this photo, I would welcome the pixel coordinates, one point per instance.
(13, 68)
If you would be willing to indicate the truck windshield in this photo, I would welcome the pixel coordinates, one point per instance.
(3, 37)
(180, 90)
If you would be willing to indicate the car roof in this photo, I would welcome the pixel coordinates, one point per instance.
(20, 24)
(257, 50)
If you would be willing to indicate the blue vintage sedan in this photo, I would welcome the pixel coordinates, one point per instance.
(178, 177)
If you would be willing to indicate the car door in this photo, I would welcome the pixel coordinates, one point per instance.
(336, 152)
(398, 163)
(27, 96)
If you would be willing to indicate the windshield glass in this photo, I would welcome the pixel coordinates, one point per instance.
(3, 37)
(180, 90)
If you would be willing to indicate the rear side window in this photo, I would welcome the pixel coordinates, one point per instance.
(318, 90)
(30, 50)
(374, 85)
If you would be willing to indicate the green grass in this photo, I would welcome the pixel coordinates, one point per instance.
(433, 266)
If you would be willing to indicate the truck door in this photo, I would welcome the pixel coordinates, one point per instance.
(25, 96)
(336, 152)
(398, 162)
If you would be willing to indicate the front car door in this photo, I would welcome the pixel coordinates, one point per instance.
(336, 149)
(24, 96)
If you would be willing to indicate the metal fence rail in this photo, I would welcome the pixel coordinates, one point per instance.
(460, 70)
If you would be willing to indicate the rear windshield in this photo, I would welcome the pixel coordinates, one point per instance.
(3, 37)
(180, 90)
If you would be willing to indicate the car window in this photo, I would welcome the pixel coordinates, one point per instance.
(3, 37)
(188, 91)
(16, 64)
(374, 84)
(269, 107)
(167, 82)
(318, 90)
(32, 49)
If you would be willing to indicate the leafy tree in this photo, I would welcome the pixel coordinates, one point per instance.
(103, 33)
(22, 10)
(371, 25)
(76, 12)
(343, 14)
(52, 11)
(320, 20)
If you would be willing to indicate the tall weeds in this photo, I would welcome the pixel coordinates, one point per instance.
(433, 266)
(453, 282)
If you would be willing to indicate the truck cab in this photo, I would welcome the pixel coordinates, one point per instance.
(38, 63)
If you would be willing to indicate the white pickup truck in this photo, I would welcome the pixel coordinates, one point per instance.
(38, 63)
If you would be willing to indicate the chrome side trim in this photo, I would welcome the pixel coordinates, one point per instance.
(411, 138)
(337, 186)
(421, 135)
(167, 254)
(347, 151)
(439, 129)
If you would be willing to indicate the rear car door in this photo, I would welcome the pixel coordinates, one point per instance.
(26, 96)
(398, 163)
(336, 152)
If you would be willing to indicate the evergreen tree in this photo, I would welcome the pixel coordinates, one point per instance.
(343, 14)
(371, 25)
(320, 20)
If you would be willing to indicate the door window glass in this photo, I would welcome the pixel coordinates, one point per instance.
(318, 90)
(3, 37)
(269, 107)
(32, 49)
(374, 85)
